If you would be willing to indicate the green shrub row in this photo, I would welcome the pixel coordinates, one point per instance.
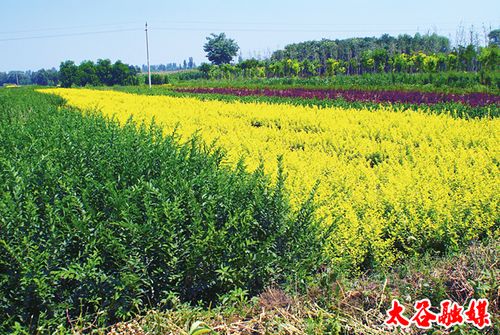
(156, 79)
(100, 221)
(447, 82)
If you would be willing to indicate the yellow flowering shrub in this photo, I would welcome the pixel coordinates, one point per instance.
(390, 183)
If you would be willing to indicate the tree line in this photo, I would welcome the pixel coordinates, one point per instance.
(41, 77)
(101, 73)
(355, 56)
(188, 64)
(87, 73)
(487, 59)
(353, 51)
(420, 53)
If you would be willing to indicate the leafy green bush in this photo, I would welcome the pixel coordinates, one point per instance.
(188, 75)
(156, 79)
(98, 221)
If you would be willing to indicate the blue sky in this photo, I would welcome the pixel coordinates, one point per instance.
(31, 30)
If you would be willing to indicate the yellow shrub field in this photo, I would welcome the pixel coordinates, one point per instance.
(391, 183)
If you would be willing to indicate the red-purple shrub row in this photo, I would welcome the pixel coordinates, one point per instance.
(405, 97)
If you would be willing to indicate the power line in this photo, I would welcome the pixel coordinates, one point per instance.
(191, 29)
(293, 30)
(262, 30)
(319, 24)
(292, 24)
(67, 35)
(68, 28)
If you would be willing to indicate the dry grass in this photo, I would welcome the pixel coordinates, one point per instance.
(344, 306)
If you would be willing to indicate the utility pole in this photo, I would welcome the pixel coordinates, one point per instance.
(147, 52)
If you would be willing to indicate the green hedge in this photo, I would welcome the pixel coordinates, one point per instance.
(101, 221)
(448, 82)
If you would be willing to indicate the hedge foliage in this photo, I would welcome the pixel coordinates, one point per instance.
(99, 221)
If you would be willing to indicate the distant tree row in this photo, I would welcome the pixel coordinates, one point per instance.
(420, 53)
(371, 61)
(355, 48)
(387, 54)
(40, 77)
(102, 73)
(186, 65)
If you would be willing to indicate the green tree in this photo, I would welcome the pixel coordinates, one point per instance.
(489, 58)
(205, 69)
(87, 74)
(334, 67)
(40, 77)
(220, 49)
(442, 60)
(157, 79)
(380, 59)
(191, 63)
(494, 37)
(249, 67)
(292, 67)
(3, 78)
(452, 62)
(310, 68)
(430, 63)
(400, 63)
(103, 71)
(367, 61)
(418, 61)
(276, 68)
(466, 57)
(68, 73)
(227, 71)
(53, 76)
(122, 74)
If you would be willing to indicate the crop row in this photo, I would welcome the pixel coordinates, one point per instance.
(399, 97)
(454, 109)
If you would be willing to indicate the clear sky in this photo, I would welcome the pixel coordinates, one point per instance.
(40, 33)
